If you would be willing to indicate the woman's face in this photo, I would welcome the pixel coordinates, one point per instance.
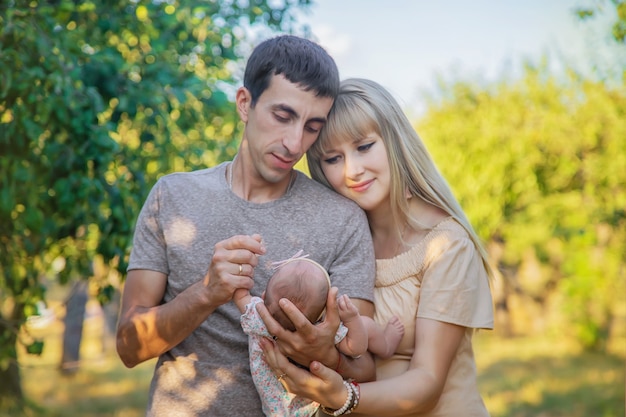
(359, 170)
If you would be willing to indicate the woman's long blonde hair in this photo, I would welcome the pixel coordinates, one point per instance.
(364, 106)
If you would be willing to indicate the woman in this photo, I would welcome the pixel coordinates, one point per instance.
(432, 270)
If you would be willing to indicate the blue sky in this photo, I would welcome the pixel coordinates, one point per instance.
(404, 44)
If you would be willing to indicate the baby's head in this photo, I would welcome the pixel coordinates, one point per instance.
(305, 283)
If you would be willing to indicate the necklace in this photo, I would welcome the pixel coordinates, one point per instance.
(292, 179)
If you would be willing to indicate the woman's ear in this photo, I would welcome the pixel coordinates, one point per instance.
(243, 99)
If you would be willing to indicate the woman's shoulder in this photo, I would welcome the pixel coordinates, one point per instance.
(450, 226)
(448, 236)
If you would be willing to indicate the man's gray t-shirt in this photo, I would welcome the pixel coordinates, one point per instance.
(185, 215)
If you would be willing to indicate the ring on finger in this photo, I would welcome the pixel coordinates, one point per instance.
(280, 378)
(240, 269)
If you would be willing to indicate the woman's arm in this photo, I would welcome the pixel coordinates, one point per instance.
(417, 390)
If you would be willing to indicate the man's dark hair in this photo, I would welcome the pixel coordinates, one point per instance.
(299, 60)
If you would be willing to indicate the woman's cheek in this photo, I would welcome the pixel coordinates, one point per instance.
(335, 178)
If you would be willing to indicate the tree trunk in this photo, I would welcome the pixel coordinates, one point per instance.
(11, 395)
(73, 333)
(110, 313)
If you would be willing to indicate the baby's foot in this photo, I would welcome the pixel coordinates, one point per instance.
(394, 330)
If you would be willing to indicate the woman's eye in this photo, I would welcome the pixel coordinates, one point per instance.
(331, 160)
(366, 147)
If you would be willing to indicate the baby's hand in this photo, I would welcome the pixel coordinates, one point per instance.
(347, 310)
(241, 297)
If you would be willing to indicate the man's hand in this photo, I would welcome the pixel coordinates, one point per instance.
(309, 342)
(148, 327)
(232, 267)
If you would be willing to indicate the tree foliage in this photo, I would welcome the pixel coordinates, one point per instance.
(97, 99)
(538, 163)
(618, 26)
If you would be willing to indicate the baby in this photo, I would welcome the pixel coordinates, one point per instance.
(306, 284)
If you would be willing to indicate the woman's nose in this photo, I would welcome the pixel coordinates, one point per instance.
(353, 168)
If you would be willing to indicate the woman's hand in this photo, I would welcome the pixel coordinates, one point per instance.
(322, 384)
(310, 342)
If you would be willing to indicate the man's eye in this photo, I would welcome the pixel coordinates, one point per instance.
(314, 127)
(281, 118)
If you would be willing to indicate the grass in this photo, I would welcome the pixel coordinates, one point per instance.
(549, 377)
(101, 387)
(519, 377)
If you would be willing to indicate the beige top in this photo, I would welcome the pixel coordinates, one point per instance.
(441, 278)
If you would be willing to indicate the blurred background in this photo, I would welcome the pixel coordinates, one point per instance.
(522, 104)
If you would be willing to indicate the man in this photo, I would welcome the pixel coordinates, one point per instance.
(203, 234)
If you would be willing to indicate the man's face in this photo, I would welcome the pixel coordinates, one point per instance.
(281, 127)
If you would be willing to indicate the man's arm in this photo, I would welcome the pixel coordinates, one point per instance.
(147, 327)
(317, 342)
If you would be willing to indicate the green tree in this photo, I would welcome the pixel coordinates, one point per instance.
(538, 163)
(97, 99)
(618, 25)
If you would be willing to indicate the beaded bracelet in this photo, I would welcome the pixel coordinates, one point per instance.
(354, 394)
(345, 406)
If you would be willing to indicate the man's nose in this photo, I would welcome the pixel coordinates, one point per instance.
(293, 140)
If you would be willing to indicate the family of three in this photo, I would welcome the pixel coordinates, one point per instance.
(376, 218)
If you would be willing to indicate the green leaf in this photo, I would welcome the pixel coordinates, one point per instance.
(35, 348)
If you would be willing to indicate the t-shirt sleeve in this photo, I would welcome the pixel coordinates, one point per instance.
(149, 249)
(354, 269)
(455, 286)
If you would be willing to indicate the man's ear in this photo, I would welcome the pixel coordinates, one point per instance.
(243, 99)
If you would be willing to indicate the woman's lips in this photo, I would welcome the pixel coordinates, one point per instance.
(362, 186)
